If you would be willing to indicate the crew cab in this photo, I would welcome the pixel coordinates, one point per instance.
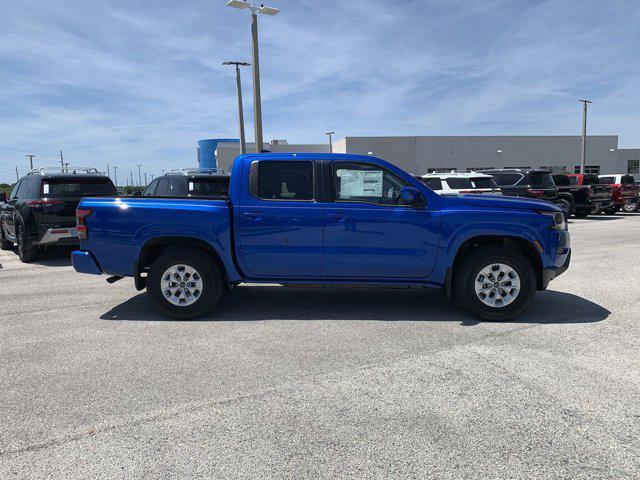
(527, 182)
(457, 183)
(41, 208)
(190, 183)
(585, 192)
(325, 219)
(624, 192)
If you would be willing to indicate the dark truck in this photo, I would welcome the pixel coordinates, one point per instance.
(325, 219)
(531, 183)
(585, 192)
(41, 208)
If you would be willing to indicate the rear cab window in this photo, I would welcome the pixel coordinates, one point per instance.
(77, 187)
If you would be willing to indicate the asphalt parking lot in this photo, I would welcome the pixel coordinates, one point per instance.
(302, 383)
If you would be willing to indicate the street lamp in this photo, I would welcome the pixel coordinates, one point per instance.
(584, 135)
(115, 175)
(257, 108)
(243, 145)
(330, 134)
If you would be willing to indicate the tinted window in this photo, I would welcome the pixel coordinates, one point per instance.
(543, 180)
(151, 189)
(591, 180)
(561, 180)
(628, 180)
(171, 187)
(572, 180)
(77, 187)
(163, 187)
(608, 180)
(366, 183)
(14, 191)
(433, 183)
(457, 183)
(285, 180)
(483, 182)
(506, 178)
(216, 186)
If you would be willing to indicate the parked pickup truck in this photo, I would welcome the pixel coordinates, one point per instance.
(585, 192)
(624, 190)
(331, 219)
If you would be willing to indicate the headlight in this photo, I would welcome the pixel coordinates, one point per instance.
(559, 220)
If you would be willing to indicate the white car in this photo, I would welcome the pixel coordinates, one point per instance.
(454, 183)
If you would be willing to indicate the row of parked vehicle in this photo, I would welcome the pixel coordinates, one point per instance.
(577, 194)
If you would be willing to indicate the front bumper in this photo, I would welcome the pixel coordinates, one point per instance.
(83, 262)
(549, 274)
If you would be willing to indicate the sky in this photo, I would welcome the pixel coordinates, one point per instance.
(125, 82)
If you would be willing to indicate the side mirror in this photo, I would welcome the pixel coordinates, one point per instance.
(412, 196)
(3, 197)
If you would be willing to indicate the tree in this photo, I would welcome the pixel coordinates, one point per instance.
(5, 187)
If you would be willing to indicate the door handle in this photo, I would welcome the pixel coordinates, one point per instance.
(336, 216)
(253, 214)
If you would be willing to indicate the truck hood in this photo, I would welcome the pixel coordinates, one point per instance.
(489, 201)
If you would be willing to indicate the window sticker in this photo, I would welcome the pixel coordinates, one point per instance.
(360, 183)
(191, 186)
(45, 188)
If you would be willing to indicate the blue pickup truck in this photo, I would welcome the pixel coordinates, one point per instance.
(325, 219)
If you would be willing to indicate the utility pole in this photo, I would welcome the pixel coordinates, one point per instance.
(131, 173)
(152, 177)
(61, 161)
(108, 171)
(145, 179)
(17, 176)
(257, 105)
(243, 144)
(30, 157)
(583, 157)
(115, 175)
(139, 175)
(330, 141)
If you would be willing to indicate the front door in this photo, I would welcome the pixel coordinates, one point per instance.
(369, 233)
(279, 224)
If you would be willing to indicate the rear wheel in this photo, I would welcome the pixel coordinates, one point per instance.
(582, 212)
(4, 244)
(27, 254)
(184, 284)
(630, 207)
(495, 283)
(613, 209)
(565, 205)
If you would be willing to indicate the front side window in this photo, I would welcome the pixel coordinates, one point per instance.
(362, 182)
(284, 180)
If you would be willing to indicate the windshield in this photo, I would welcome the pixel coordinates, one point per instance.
(209, 186)
(543, 180)
(78, 187)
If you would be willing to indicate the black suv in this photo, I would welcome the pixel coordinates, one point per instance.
(41, 209)
(187, 183)
(532, 183)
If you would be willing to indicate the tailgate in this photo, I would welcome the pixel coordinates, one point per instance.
(59, 212)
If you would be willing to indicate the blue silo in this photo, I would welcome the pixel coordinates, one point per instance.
(207, 151)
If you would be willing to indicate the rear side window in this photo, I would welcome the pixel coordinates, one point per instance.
(433, 183)
(214, 187)
(608, 180)
(483, 182)
(77, 187)
(276, 180)
(543, 180)
(591, 180)
(506, 179)
(457, 183)
(171, 187)
(561, 180)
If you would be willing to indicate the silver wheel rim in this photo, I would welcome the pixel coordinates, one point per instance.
(181, 285)
(497, 285)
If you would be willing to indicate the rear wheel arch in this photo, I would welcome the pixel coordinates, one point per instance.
(525, 246)
(157, 246)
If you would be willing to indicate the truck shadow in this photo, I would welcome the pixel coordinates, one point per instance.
(54, 257)
(257, 303)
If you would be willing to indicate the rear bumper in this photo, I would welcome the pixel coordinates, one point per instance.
(83, 262)
(58, 236)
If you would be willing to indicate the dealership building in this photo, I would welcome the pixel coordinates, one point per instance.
(423, 154)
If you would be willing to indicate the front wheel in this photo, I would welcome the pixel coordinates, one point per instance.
(582, 212)
(565, 205)
(184, 283)
(495, 283)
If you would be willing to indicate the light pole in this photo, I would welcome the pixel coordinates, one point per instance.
(330, 141)
(139, 175)
(145, 179)
(583, 157)
(115, 175)
(30, 160)
(243, 144)
(257, 107)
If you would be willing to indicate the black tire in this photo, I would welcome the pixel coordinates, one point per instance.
(630, 207)
(26, 254)
(206, 267)
(4, 244)
(612, 210)
(565, 205)
(470, 268)
(582, 212)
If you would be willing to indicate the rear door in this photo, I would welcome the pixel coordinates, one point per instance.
(369, 233)
(59, 197)
(279, 223)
